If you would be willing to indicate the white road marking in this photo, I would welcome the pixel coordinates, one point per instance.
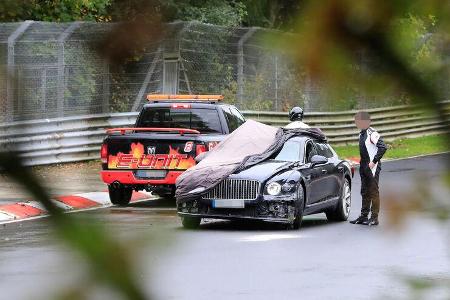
(34, 204)
(61, 205)
(99, 197)
(270, 237)
(5, 217)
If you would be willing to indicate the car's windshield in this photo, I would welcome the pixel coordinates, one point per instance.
(201, 119)
(291, 151)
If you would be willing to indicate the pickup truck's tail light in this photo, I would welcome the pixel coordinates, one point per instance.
(199, 149)
(104, 153)
(181, 105)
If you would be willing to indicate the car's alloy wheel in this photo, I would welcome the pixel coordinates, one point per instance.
(300, 203)
(342, 210)
(346, 198)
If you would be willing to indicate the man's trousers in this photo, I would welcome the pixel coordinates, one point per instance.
(369, 191)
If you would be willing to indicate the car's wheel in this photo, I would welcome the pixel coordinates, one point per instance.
(120, 195)
(191, 222)
(299, 205)
(342, 210)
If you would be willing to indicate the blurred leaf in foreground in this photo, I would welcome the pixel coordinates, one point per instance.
(383, 49)
(361, 45)
(109, 262)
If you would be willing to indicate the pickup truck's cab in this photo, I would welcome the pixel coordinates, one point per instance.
(169, 133)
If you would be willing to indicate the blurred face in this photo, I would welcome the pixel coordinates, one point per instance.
(362, 123)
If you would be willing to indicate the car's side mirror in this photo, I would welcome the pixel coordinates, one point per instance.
(318, 160)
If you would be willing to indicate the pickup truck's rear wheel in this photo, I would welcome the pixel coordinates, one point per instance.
(119, 195)
(191, 222)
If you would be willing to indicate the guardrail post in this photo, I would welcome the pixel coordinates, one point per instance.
(11, 85)
(240, 64)
(61, 67)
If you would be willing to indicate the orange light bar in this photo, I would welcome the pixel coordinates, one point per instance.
(123, 130)
(157, 97)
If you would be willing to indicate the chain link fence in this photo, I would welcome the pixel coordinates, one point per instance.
(52, 70)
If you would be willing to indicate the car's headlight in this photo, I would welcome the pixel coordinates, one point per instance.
(273, 188)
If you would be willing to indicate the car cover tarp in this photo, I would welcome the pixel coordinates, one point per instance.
(250, 144)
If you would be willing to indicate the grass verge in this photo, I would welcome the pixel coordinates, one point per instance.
(401, 148)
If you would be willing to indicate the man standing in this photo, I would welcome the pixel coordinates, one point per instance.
(296, 117)
(371, 149)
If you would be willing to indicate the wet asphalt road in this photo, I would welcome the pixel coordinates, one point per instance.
(229, 260)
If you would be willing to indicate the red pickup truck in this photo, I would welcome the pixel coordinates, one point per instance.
(170, 131)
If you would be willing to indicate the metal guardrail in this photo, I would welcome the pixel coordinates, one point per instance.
(78, 138)
(392, 122)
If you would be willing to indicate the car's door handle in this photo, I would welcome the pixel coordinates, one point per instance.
(324, 171)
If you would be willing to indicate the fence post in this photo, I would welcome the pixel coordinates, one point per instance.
(44, 89)
(171, 70)
(240, 64)
(276, 82)
(148, 77)
(10, 79)
(186, 78)
(180, 48)
(61, 67)
(105, 86)
(308, 90)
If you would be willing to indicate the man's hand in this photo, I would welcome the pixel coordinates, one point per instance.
(371, 165)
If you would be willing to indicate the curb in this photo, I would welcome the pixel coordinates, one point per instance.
(21, 211)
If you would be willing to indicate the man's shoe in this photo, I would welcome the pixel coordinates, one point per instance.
(372, 222)
(360, 220)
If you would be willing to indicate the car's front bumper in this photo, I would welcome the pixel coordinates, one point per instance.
(280, 211)
(236, 217)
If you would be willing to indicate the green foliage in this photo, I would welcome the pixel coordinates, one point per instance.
(272, 14)
(54, 10)
(258, 98)
(121, 95)
(255, 90)
(218, 12)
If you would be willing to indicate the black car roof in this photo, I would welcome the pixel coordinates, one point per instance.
(299, 138)
(303, 138)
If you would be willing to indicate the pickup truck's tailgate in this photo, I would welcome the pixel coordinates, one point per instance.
(152, 154)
